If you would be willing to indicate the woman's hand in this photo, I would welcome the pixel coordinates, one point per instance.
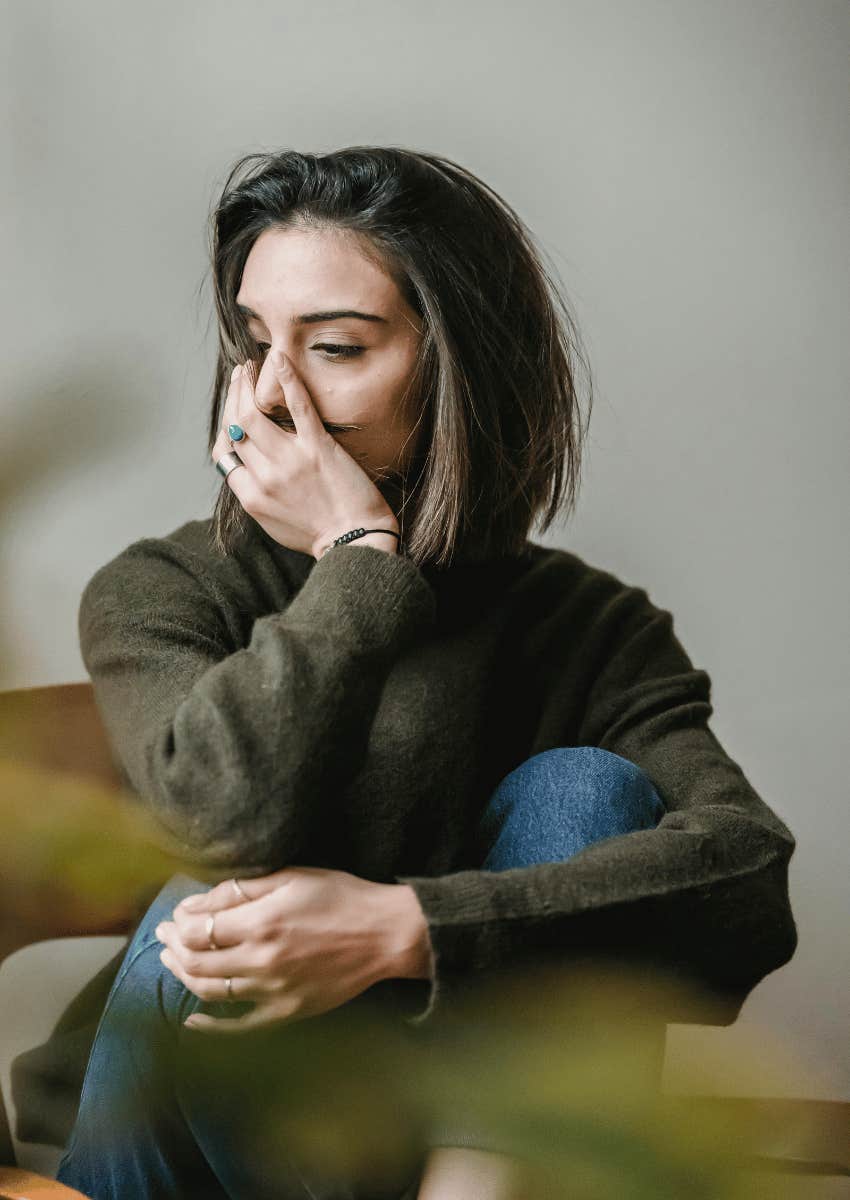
(303, 488)
(307, 940)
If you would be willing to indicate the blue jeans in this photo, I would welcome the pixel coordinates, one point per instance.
(141, 1132)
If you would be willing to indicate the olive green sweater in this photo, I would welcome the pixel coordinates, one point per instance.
(357, 712)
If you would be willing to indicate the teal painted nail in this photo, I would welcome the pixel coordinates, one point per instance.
(235, 432)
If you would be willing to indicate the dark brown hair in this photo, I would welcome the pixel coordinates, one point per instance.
(494, 381)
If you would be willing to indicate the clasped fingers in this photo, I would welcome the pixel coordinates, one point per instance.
(216, 987)
(247, 939)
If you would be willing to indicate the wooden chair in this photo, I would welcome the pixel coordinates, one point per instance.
(59, 727)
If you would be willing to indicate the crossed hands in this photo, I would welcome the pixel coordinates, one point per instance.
(306, 940)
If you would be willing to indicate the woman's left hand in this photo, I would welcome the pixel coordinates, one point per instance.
(307, 940)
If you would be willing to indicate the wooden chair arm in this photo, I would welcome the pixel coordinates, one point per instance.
(16, 1184)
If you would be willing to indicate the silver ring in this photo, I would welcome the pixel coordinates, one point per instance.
(211, 931)
(240, 891)
(228, 462)
(228, 985)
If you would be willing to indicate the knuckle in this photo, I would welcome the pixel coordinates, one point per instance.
(250, 497)
(266, 957)
(246, 417)
(191, 936)
(263, 478)
(266, 928)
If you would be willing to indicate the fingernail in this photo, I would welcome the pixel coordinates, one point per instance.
(189, 902)
(158, 933)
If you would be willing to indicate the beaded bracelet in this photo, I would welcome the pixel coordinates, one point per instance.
(356, 533)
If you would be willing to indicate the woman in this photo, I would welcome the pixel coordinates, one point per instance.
(415, 744)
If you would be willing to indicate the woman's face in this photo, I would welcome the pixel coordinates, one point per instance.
(296, 283)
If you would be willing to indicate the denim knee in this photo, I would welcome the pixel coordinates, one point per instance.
(560, 800)
(618, 791)
(137, 957)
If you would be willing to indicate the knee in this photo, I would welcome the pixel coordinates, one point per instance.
(167, 899)
(142, 973)
(616, 793)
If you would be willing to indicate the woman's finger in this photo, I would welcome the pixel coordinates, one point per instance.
(261, 446)
(308, 423)
(231, 926)
(244, 487)
(193, 932)
(232, 960)
(239, 409)
(258, 1018)
(224, 895)
(206, 987)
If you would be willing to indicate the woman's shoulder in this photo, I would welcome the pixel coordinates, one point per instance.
(569, 577)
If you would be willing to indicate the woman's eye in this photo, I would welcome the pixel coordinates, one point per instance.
(338, 351)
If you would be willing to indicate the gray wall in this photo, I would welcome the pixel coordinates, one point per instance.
(684, 165)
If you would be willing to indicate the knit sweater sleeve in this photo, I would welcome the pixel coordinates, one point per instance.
(703, 895)
(229, 743)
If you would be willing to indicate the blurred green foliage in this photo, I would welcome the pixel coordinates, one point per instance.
(558, 1067)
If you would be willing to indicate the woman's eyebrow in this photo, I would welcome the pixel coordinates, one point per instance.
(314, 317)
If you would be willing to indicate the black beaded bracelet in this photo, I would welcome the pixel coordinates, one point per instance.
(356, 533)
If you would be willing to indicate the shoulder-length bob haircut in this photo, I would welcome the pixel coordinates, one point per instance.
(494, 381)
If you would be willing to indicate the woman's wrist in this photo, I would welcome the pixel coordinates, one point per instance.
(381, 540)
(381, 534)
(405, 944)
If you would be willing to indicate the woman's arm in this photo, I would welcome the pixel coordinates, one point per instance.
(240, 749)
(703, 895)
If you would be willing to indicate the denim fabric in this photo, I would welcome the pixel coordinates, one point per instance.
(141, 1132)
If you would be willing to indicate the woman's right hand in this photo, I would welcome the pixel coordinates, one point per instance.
(303, 488)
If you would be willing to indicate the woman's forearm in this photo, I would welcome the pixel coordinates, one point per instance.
(235, 746)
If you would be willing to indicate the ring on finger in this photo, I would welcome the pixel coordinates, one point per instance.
(236, 433)
(228, 462)
(239, 890)
(228, 987)
(211, 931)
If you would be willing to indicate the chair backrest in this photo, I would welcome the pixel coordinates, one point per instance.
(57, 727)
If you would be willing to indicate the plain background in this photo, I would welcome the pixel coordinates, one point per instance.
(684, 165)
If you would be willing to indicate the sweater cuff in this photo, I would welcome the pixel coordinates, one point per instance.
(377, 597)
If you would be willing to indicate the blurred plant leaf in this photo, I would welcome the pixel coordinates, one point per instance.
(75, 856)
(557, 1066)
